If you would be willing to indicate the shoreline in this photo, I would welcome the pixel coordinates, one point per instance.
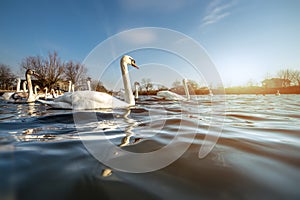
(255, 90)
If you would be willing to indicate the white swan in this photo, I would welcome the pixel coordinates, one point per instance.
(171, 96)
(35, 89)
(54, 93)
(70, 86)
(88, 82)
(46, 95)
(6, 96)
(86, 100)
(136, 94)
(186, 89)
(24, 96)
(210, 93)
(18, 85)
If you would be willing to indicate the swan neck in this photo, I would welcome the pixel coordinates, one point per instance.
(89, 85)
(35, 89)
(18, 84)
(136, 91)
(129, 98)
(70, 86)
(24, 86)
(46, 93)
(30, 89)
(186, 89)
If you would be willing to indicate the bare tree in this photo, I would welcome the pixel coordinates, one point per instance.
(75, 72)
(296, 77)
(7, 78)
(146, 84)
(287, 75)
(176, 83)
(49, 69)
(98, 86)
(193, 84)
(161, 87)
(54, 68)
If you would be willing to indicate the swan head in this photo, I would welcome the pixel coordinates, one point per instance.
(136, 83)
(30, 72)
(129, 61)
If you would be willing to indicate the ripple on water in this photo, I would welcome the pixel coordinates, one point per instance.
(42, 154)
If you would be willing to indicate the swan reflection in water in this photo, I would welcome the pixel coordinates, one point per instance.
(28, 109)
(128, 130)
(106, 129)
(31, 109)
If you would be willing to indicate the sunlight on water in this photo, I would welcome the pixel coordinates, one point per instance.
(43, 156)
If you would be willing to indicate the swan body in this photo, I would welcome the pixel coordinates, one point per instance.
(7, 95)
(87, 100)
(171, 96)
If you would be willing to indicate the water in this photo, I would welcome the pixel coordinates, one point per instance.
(43, 152)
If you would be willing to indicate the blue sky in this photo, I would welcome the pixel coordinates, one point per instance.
(245, 39)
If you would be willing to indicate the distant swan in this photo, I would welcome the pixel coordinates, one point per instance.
(277, 93)
(18, 85)
(24, 96)
(35, 89)
(24, 86)
(7, 95)
(86, 100)
(46, 95)
(186, 89)
(89, 85)
(210, 93)
(171, 96)
(70, 86)
(136, 86)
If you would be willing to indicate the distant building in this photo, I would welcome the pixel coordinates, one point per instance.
(276, 83)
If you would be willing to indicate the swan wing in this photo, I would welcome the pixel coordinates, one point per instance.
(95, 100)
(86, 100)
(7, 95)
(57, 105)
(168, 95)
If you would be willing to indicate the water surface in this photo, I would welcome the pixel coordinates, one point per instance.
(42, 155)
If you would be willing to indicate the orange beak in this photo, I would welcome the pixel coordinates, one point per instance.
(134, 65)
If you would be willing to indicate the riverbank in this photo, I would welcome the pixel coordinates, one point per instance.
(231, 90)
